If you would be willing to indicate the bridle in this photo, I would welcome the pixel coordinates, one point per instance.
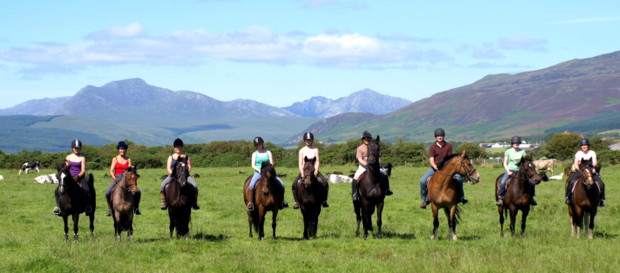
(464, 167)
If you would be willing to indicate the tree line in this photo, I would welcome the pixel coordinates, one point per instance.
(237, 153)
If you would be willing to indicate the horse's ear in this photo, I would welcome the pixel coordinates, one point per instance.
(463, 154)
(378, 138)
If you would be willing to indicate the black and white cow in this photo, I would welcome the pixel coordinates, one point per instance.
(30, 166)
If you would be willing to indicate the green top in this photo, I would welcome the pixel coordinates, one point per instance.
(260, 158)
(514, 157)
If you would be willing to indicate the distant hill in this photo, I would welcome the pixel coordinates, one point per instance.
(38, 107)
(364, 101)
(497, 106)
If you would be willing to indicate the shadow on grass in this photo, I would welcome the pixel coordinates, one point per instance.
(207, 237)
(405, 236)
(605, 235)
(198, 236)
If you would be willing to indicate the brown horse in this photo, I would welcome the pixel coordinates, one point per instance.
(519, 190)
(310, 194)
(371, 191)
(123, 202)
(584, 200)
(72, 200)
(180, 196)
(268, 195)
(442, 190)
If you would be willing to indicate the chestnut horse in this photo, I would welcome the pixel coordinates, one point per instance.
(584, 200)
(519, 190)
(123, 202)
(268, 195)
(72, 200)
(310, 194)
(442, 190)
(180, 196)
(371, 191)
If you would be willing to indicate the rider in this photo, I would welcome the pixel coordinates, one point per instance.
(170, 165)
(310, 153)
(119, 164)
(512, 157)
(586, 154)
(77, 168)
(362, 156)
(258, 157)
(437, 153)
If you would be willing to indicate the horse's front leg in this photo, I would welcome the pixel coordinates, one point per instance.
(524, 214)
(453, 222)
(274, 215)
(379, 219)
(66, 221)
(76, 219)
(261, 222)
(500, 209)
(306, 216)
(435, 221)
(358, 216)
(250, 224)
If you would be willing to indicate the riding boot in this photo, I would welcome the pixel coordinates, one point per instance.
(109, 201)
(163, 206)
(136, 199)
(602, 196)
(568, 193)
(294, 188)
(326, 185)
(195, 205)
(388, 191)
(354, 187)
(461, 192)
(532, 201)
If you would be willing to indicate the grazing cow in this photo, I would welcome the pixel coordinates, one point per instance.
(29, 166)
(46, 179)
(544, 164)
(338, 178)
(557, 177)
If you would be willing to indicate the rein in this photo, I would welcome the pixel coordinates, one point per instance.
(463, 165)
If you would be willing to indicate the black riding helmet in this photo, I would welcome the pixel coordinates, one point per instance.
(258, 140)
(76, 143)
(308, 136)
(177, 143)
(122, 145)
(584, 141)
(366, 134)
(440, 132)
(515, 139)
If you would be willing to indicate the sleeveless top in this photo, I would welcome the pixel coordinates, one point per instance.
(260, 158)
(173, 163)
(120, 168)
(75, 167)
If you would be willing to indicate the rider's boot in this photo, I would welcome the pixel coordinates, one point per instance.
(354, 187)
(163, 205)
(107, 199)
(195, 205)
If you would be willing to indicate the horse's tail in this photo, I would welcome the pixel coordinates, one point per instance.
(457, 214)
(255, 219)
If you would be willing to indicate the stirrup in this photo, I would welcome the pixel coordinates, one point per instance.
(296, 206)
(56, 211)
(500, 201)
(137, 211)
(601, 203)
(163, 206)
(109, 213)
(355, 197)
(283, 205)
(250, 206)
(325, 205)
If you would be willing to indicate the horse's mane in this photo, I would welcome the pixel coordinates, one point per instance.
(440, 166)
(267, 167)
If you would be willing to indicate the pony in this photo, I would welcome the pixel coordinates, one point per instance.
(72, 200)
(371, 191)
(268, 195)
(442, 190)
(310, 195)
(180, 196)
(123, 202)
(519, 190)
(584, 200)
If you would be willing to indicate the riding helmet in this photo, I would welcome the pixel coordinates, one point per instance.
(515, 139)
(308, 136)
(584, 141)
(122, 145)
(366, 134)
(76, 143)
(440, 132)
(177, 143)
(258, 140)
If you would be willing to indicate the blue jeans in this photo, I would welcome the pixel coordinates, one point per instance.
(255, 178)
(190, 180)
(108, 192)
(424, 189)
(502, 183)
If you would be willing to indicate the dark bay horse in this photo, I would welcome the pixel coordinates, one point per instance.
(519, 190)
(442, 190)
(123, 202)
(584, 200)
(371, 191)
(310, 194)
(180, 196)
(268, 195)
(72, 200)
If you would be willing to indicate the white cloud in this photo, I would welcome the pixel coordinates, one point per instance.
(128, 31)
(523, 42)
(586, 20)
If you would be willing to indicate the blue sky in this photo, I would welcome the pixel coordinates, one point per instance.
(283, 51)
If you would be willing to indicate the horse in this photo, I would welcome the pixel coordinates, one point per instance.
(27, 166)
(268, 195)
(310, 195)
(442, 190)
(371, 191)
(584, 200)
(180, 196)
(123, 202)
(73, 201)
(519, 189)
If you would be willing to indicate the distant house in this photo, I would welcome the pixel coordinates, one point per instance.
(500, 145)
(615, 147)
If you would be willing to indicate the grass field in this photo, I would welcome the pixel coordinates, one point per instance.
(31, 237)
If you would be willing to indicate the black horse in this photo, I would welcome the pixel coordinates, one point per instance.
(180, 196)
(371, 190)
(584, 199)
(72, 200)
(310, 194)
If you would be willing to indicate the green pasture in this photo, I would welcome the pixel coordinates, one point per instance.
(31, 237)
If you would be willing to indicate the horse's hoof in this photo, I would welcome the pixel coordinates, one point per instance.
(380, 235)
(454, 238)
(433, 237)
